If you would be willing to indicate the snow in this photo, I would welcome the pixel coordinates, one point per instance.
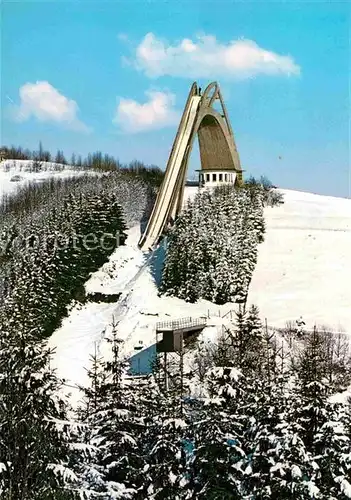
(341, 397)
(296, 471)
(345, 487)
(177, 423)
(21, 169)
(312, 489)
(304, 264)
(303, 269)
(172, 477)
(136, 312)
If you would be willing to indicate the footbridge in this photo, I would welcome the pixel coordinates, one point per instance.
(204, 116)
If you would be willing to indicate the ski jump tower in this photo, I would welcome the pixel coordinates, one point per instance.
(219, 157)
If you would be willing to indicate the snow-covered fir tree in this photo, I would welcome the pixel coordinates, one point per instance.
(212, 248)
(216, 470)
(164, 441)
(35, 446)
(332, 446)
(114, 426)
(322, 422)
(164, 472)
(53, 239)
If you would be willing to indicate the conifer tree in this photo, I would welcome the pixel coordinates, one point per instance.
(112, 471)
(217, 464)
(212, 247)
(323, 431)
(164, 453)
(35, 448)
(332, 444)
(163, 441)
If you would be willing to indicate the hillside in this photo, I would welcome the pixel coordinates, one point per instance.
(237, 392)
(304, 264)
(302, 270)
(15, 173)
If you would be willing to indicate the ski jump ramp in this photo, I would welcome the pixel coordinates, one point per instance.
(217, 152)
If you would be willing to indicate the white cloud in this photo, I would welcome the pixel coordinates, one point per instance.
(45, 103)
(206, 57)
(157, 112)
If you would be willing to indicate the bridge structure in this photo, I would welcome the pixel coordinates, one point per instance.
(175, 334)
(204, 116)
(172, 340)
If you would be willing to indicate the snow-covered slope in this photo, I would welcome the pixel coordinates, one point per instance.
(130, 272)
(304, 264)
(20, 171)
(303, 269)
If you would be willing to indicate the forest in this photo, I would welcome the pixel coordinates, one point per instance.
(213, 246)
(255, 413)
(263, 425)
(93, 161)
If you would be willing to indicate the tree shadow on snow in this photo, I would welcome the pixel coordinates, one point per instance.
(141, 363)
(157, 261)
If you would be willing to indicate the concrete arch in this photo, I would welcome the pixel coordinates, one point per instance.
(216, 139)
(215, 149)
(217, 152)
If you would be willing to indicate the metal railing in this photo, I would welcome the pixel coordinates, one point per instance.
(182, 323)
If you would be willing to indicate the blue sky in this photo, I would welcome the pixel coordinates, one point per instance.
(113, 76)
